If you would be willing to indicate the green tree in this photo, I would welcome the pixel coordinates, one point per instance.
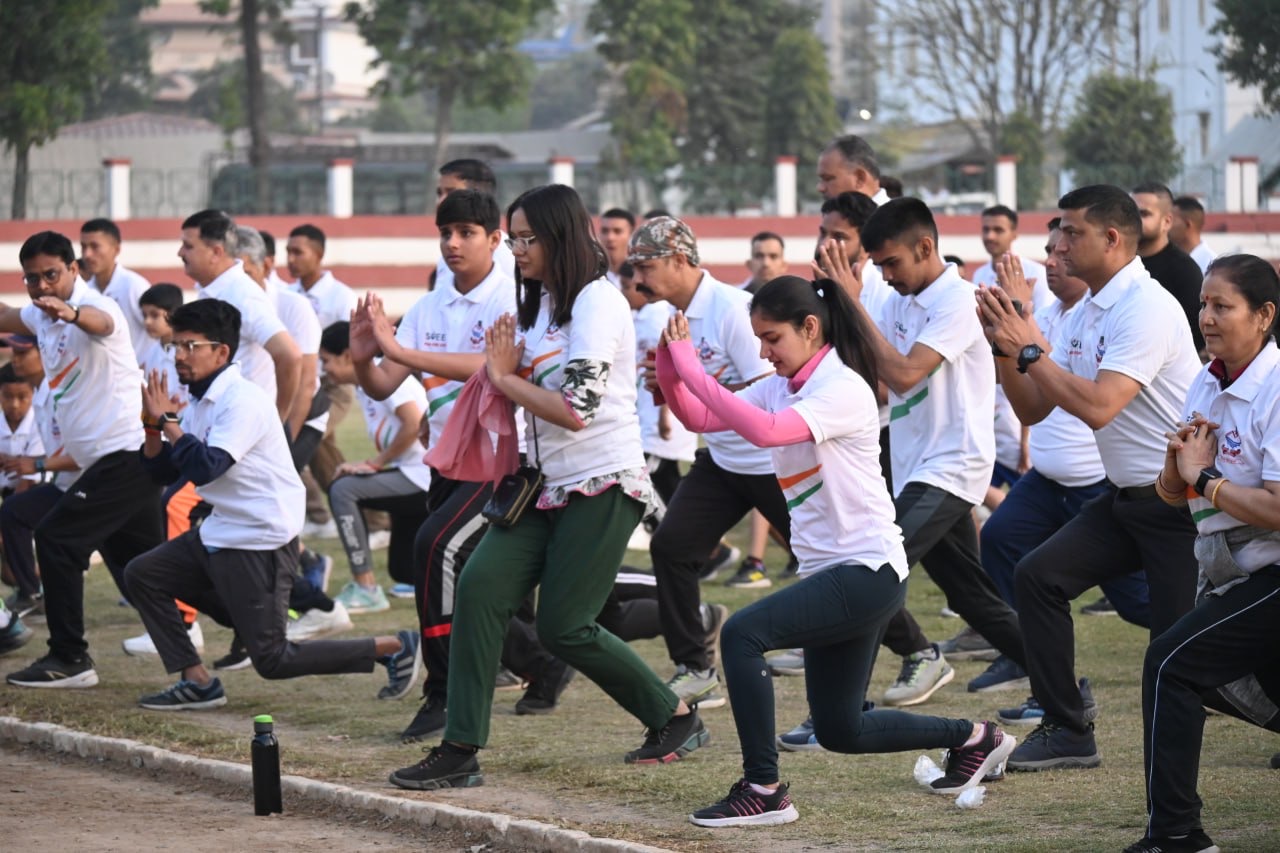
(1022, 137)
(251, 14)
(1250, 49)
(457, 52)
(649, 45)
(800, 112)
(219, 98)
(1121, 133)
(48, 50)
(129, 46)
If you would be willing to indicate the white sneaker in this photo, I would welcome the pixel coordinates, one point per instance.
(144, 645)
(315, 623)
(787, 663)
(639, 540)
(379, 539)
(312, 530)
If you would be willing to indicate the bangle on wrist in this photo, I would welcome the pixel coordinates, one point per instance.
(1213, 496)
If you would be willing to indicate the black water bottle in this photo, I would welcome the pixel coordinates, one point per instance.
(265, 752)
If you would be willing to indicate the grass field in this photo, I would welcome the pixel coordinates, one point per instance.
(567, 767)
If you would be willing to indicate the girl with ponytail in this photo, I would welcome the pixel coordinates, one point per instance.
(818, 415)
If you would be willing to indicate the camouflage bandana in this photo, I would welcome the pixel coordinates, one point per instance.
(661, 238)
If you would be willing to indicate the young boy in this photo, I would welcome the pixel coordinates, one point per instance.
(238, 566)
(394, 479)
(18, 433)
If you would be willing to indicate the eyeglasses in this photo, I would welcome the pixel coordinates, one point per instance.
(521, 243)
(50, 276)
(188, 347)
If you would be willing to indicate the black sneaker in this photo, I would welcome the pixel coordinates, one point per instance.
(750, 575)
(544, 691)
(1101, 607)
(236, 658)
(713, 619)
(744, 806)
(1193, 842)
(26, 605)
(14, 636)
(966, 767)
(791, 569)
(445, 766)
(186, 696)
(722, 558)
(427, 722)
(53, 671)
(679, 737)
(1053, 746)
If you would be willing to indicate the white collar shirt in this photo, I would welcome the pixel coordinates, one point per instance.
(942, 430)
(259, 323)
(1134, 327)
(1062, 446)
(125, 288)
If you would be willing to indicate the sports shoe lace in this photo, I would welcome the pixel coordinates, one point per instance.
(910, 670)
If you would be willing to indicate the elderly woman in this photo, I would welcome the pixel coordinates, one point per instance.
(1225, 462)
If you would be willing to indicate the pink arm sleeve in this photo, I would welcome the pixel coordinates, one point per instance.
(761, 428)
(686, 407)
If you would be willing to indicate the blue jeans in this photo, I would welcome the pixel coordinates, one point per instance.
(837, 616)
(1035, 509)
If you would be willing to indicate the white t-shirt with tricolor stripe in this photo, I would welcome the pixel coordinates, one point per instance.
(446, 321)
(383, 424)
(841, 512)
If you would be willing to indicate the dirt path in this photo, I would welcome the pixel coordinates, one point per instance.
(52, 802)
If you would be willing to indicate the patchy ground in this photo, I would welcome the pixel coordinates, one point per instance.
(54, 802)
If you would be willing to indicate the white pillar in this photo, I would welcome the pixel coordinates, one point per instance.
(1232, 185)
(341, 196)
(784, 185)
(1007, 181)
(561, 170)
(115, 187)
(1248, 184)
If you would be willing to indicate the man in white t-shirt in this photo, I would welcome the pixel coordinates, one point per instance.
(730, 476)
(937, 367)
(332, 302)
(767, 261)
(1124, 371)
(238, 566)
(999, 230)
(112, 507)
(1187, 229)
(616, 225)
(302, 324)
(99, 249)
(267, 353)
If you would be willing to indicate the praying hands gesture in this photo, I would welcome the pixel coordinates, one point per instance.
(1194, 445)
(501, 352)
(1012, 281)
(833, 264)
(677, 329)
(371, 332)
(156, 399)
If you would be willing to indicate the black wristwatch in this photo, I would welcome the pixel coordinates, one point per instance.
(1028, 356)
(168, 418)
(1206, 474)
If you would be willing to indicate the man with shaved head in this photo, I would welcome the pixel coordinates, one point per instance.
(1168, 264)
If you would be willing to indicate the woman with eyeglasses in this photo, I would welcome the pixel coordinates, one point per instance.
(569, 360)
(1223, 462)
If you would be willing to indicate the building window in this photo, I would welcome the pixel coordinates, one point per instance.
(1163, 14)
(1204, 134)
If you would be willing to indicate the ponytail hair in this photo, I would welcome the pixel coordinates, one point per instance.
(790, 299)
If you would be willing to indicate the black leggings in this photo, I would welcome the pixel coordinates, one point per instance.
(837, 617)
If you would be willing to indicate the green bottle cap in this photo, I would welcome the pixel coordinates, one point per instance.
(263, 718)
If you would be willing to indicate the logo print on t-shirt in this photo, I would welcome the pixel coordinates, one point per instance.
(705, 352)
(1102, 348)
(1231, 445)
(477, 334)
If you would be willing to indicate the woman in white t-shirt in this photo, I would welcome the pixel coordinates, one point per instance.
(574, 375)
(819, 416)
(1224, 463)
